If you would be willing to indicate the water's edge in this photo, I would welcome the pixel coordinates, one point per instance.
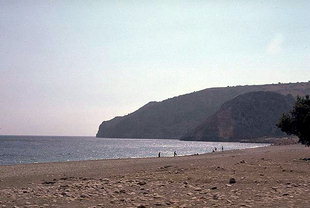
(42, 149)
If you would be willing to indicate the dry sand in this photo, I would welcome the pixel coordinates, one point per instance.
(272, 176)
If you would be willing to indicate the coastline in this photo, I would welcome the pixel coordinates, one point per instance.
(147, 157)
(265, 176)
(62, 149)
(129, 158)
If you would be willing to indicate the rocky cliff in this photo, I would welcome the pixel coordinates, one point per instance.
(244, 118)
(175, 117)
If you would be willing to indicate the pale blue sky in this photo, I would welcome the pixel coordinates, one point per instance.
(68, 65)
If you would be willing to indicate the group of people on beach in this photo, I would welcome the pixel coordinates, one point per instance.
(174, 154)
(215, 149)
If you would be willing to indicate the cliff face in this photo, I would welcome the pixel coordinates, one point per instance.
(175, 117)
(248, 116)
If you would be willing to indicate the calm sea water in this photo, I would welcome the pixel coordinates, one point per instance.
(32, 149)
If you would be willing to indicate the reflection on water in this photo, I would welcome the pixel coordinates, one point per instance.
(30, 149)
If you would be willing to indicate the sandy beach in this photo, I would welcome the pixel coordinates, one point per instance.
(274, 176)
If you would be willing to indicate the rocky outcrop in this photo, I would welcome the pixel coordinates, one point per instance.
(175, 117)
(244, 118)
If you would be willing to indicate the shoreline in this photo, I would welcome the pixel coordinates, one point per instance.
(272, 176)
(99, 159)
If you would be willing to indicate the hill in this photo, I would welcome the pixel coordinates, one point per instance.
(175, 117)
(244, 118)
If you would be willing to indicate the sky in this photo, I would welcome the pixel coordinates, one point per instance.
(66, 66)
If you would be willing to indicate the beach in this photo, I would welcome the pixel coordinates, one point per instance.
(273, 176)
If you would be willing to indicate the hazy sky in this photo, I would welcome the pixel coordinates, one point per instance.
(68, 65)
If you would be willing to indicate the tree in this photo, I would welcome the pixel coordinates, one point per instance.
(297, 121)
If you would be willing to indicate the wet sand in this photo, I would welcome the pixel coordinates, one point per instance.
(272, 176)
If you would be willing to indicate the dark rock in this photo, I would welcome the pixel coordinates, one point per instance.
(215, 197)
(49, 182)
(64, 194)
(232, 180)
(83, 196)
(141, 183)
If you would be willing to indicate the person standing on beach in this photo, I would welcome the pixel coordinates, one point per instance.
(222, 148)
(159, 154)
(174, 154)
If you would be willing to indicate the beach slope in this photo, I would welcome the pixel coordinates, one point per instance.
(274, 176)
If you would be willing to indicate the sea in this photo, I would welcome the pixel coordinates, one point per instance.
(40, 149)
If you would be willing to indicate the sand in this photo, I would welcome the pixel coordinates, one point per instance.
(272, 176)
